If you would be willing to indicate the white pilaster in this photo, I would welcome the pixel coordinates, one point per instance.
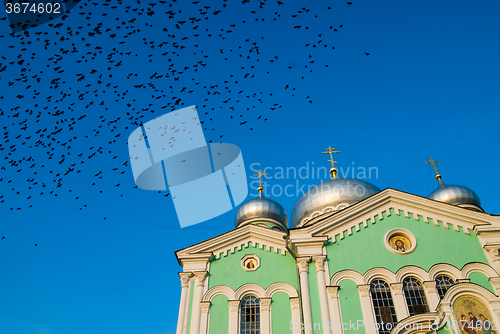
(323, 298)
(432, 294)
(265, 315)
(398, 297)
(196, 308)
(303, 266)
(493, 256)
(205, 309)
(495, 283)
(234, 306)
(184, 305)
(295, 306)
(334, 306)
(367, 309)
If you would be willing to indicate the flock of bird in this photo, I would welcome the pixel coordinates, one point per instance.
(73, 89)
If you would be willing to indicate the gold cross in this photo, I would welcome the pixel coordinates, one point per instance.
(260, 174)
(433, 163)
(333, 170)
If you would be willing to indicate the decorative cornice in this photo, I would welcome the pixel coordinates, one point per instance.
(238, 239)
(379, 206)
(205, 307)
(333, 291)
(303, 264)
(185, 279)
(234, 305)
(295, 303)
(364, 290)
(430, 285)
(397, 288)
(265, 304)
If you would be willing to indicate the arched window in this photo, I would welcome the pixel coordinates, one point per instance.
(443, 283)
(250, 315)
(415, 296)
(383, 305)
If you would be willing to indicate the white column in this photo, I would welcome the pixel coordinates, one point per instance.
(205, 308)
(398, 297)
(432, 294)
(323, 299)
(295, 306)
(196, 308)
(234, 306)
(303, 265)
(265, 315)
(334, 306)
(184, 305)
(367, 309)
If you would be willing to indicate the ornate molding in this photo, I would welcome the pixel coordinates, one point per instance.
(265, 304)
(205, 307)
(430, 285)
(303, 264)
(295, 303)
(234, 305)
(200, 277)
(333, 291)
(185, 279)
(495, 280)
(364, 290)
(397, 288)
(320, 262)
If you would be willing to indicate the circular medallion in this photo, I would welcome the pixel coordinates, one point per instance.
(400, 241)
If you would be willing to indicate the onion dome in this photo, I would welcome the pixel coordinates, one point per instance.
(329, 196)
(262, 211)
(332, 195)
(454, 194)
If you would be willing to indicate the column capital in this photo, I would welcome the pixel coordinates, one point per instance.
(364, 290)
(200, 277)
(492, 250)
(295, 303)
(234, 305)
(205, 307)
(430, 285)
(320, 262)
(397, 288)
(463, 280)
(333, 291)
(494, 280)
(303, 264)
(185, 278)
(265, 303)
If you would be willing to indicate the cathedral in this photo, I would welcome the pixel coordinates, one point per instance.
(352, 258)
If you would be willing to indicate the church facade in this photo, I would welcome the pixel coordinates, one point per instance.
(352, 259)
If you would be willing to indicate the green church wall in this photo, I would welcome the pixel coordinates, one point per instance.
(281, 314)
(482, 280)
(315, 305)
(191, 304)
(219, 315)
(365, 249)
(273, 268)
(350, 306)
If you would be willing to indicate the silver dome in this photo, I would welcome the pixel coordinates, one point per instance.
(261, 207)
(331, 195)
(456, 195)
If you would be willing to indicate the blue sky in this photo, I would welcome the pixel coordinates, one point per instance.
(105, 263)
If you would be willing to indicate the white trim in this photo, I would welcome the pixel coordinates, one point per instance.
(379, 273)
(347, 274)
(219, 290)
(444, 269)
(473, 267)
(250, 289)
(281, 287)
(412, 271)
